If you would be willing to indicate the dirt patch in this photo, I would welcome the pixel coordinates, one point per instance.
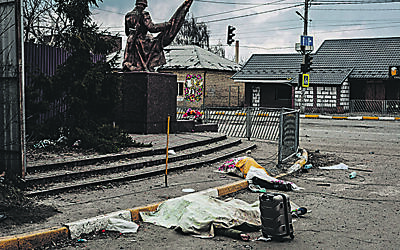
(16, 209)
(318, 159)
(55, 152)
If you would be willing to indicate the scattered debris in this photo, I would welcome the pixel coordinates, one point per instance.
(352, 175)
(299, 211)
(308, 166)
(262, 238)
(246, 167)
(257, 188)
(324, 184)
(340, 166)
(3, 217)
(121, 226)
(188, 190)
(44, 143)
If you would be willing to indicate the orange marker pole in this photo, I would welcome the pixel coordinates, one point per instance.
(166, 161)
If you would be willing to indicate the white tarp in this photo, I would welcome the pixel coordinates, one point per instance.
(200, 214)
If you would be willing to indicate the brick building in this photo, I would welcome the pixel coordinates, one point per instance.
(344, 70)
(212, 85)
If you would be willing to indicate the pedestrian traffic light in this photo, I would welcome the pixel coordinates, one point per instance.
(230, 36)
(306, 81)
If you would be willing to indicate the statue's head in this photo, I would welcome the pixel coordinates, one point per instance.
(142, 3)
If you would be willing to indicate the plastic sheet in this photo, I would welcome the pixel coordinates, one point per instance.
(122, 226)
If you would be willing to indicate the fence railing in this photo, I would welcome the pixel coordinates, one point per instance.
(357, 107)
(387, 107)
(280, 125)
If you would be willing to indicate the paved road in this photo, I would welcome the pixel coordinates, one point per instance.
(360, 213)
(357, 136)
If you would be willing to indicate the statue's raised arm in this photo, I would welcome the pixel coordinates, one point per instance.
(143, 52)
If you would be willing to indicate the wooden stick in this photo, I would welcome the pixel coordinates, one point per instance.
(166, 161)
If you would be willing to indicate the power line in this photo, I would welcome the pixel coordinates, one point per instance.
(314, 9)
(247, 8)
(224, 2)
(253, 14)
(370, 28)
(321, 2)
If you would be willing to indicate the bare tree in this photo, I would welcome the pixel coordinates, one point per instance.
(42, 23)
(218, 49)
(193, 33)
(5, 25)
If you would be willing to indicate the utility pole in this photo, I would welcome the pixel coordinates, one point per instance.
(237, 51)
(303, 51)
(12, 112)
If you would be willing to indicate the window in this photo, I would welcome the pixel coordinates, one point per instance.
(180, 88)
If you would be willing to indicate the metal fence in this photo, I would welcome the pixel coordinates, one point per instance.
(386, 107)
(40, 58)
(357, 107)
(280, 125)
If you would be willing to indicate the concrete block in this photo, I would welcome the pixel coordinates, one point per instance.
(96, 223)
(41, 237)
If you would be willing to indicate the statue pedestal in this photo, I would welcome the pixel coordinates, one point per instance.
(148, 98)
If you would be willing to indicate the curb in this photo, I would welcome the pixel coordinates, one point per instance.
(74, 229)
(351, 117)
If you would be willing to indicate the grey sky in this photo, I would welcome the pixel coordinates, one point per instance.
(270, 26)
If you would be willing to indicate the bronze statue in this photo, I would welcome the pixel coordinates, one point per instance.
(143, 52)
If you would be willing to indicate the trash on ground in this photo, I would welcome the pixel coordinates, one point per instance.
(340, 166)
(188, 190)
(308, 166)
(172, 152)
(82, 240)
(121, 226)
(299, 211)
(3, 217)
(200, 214)
(324, 184)
(257, 188)
(352, 175)
(2, 176)
(44, 143)
(76, 143)
(248, 168)
(262, 238)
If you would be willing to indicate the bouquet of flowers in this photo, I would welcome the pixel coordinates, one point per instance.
(192, 113)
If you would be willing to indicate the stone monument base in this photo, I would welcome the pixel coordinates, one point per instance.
(148, 98)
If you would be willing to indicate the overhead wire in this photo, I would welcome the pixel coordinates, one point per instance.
(247, 8)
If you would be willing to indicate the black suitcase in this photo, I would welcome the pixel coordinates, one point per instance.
(276, 216)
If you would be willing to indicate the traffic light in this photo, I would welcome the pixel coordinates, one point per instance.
(308, 63)
(230, 39)
(306, 66)
(394, 72)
